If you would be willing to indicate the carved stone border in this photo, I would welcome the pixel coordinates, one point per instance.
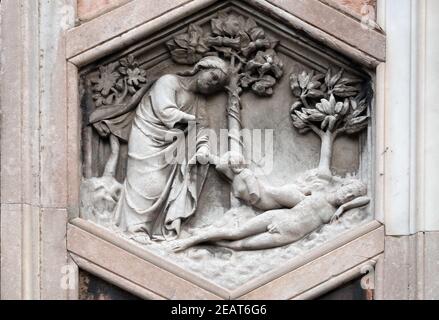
(127, 265)
(84, 45)
(319, 21)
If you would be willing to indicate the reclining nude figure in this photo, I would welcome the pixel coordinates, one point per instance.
(276, 228)
(248, 188)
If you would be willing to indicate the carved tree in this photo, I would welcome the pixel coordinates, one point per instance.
(112, 86)
(254, 64)
(329, 105)
(117, 80)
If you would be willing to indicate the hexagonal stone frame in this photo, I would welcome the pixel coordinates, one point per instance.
(133, 268)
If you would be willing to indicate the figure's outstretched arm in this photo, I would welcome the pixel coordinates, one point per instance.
(356, 203)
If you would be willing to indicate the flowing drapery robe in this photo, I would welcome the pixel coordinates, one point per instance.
(159, 194)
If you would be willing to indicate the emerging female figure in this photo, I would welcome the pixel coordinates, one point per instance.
(281, 227)
(159, 194)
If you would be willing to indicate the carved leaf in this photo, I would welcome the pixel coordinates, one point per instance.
(314, 93)
(332, 104)
(182, 40)
(247, 80)
(332, 122)
(358, 108)
(264, 86)
(217, 28)
(294, 84)
(349, 80)
(336, 78)
(244, 39)
(233, 24)
(304, 79)
(295, 106)
(339, 107)
(356, 129)
(327, 107)
(345, 107)
(318, 77)
(302, 116)
(359, 120)
(344, 91)
(297, 122)
(195, 28)
(257, 33)
(325, 123)
(106, 79)
(313, 84)
(250, 24)
(266, 62)
(315, 115)
(328, 77)
(190, 47)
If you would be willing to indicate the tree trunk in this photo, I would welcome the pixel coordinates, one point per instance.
(234, 125)
(234, 115)
(111, 165)
(326, 153)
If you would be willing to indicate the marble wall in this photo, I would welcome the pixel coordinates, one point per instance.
(88, 9)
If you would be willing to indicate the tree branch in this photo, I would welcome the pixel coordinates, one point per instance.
(305, 103)
(315, 129)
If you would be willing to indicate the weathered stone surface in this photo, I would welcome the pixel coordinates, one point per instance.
(54, 258)
(323, 269)
(89, 9)
(355, 5)
(139, 271)
(128, 17)
(431, 261)
(335, 24)
(33, 163)
(11, 248)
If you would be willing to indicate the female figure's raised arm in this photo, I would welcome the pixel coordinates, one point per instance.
(164, 104)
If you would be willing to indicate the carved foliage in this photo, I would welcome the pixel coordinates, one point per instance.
(233, 37)
(329, 103)
(113, 82)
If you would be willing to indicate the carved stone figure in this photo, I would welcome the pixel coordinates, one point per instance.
(280, 227)
(158, 196)
(254, 62)
(247, 187)
(148, 145)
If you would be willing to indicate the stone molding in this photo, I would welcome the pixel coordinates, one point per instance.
(33, 167)
(406, 144)
(85, 45)
(97, 249)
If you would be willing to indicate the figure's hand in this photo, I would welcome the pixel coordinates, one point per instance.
(102, 129)
(188, 118)
(335, 218)
(273, 228)
(202, 156)
(236, 161)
